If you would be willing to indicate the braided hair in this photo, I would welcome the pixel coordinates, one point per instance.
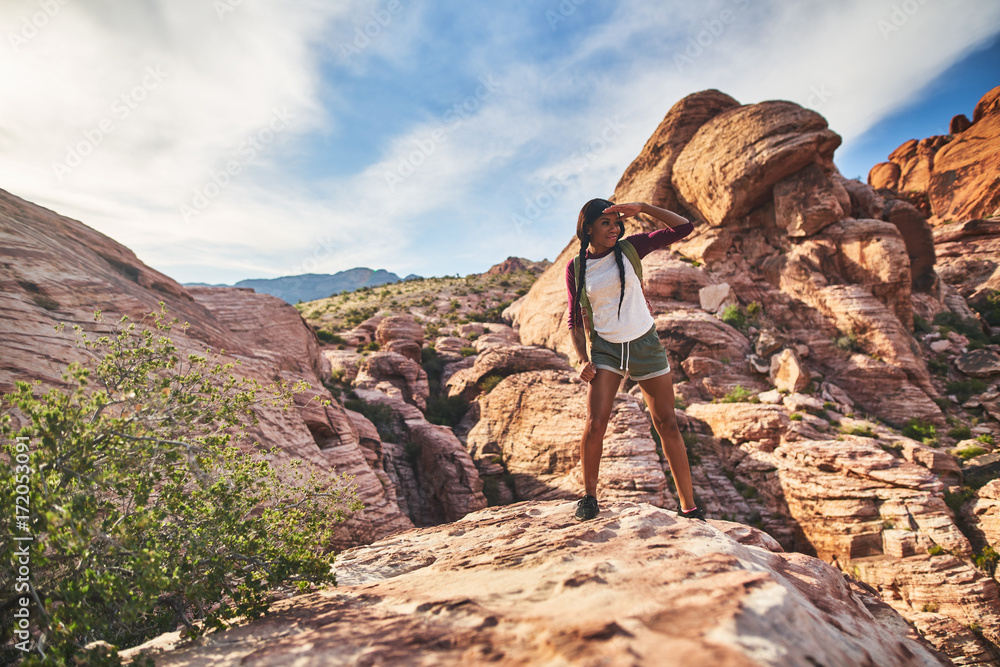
(590, 212)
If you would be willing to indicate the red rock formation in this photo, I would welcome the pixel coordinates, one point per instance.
(531, 424)
(435, 478)
(395, 375)
(59, 270)
(402, 334)
(853, 502)
(751, 148)
(955, 174)
(527, 585)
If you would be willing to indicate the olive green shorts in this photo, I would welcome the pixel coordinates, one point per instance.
(642, 358)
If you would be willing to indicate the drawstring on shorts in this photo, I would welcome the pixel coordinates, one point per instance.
(624, 355)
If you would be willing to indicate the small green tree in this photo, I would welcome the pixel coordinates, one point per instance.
(144, 512)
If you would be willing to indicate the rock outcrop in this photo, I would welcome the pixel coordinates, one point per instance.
(785, 231)
(434, 476)
(60, 270)
(526, 584)
(954, 176)
(530, 426)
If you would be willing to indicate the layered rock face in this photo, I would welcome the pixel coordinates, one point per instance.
(954, 176)
(821, 256)
(799, 280)
(59, 270)
(531, 423)
(525, 584)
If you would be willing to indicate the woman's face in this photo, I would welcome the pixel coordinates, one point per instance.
(604, 231)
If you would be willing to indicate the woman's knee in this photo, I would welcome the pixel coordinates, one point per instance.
(596, 425)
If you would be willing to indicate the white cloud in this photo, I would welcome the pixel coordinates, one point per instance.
(209, 85)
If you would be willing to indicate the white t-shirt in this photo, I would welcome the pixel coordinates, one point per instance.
(604, 289)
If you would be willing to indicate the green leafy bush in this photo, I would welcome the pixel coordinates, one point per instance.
(967, 453)
(963, 390)
(740, 394)
(921, 431)
(467, 351)
(446, 410)
(145, 513)
(487, 384)
(935, 550)
(986, 560)
(864, 431)
(960, 432)
(734, 317)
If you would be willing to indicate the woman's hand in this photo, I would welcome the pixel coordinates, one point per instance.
(588, 371)
(627, 210)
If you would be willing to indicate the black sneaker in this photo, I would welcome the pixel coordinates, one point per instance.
(586, 508)
(692, 514)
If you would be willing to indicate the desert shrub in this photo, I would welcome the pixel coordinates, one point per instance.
(379, 414)
(921, 431)
(467, 351)
(734, 317)
(795, 417)
(963, 390)
(970, 328)
(329, 337)
(864, 431)
(372, 346)
(986, 560)
(446, 410)
(848, 342)
(989, 308)
(144, 512)
(967, 453)
(935, 550)
(986, 439)
(955, 500)
(740, 394)
(960, 432)
(487, 384)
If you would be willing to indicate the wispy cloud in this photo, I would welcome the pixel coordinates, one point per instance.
(394, 153)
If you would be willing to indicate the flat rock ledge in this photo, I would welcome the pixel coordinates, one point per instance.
(527, 584)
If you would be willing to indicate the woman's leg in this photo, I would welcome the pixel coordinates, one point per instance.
(600, 399)
(659, 395)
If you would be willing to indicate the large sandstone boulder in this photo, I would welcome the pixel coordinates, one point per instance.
(527, 585)
(734, 160)
(402, 334)
(394, 374)
(499, 360)
(541, 316)
(532, 423)
(647, 179)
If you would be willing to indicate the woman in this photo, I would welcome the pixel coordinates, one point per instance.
(606, 299)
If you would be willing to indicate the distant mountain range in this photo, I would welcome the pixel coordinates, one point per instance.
(312, 286)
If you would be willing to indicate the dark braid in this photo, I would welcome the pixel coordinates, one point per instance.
(581, 274)
(621, 274)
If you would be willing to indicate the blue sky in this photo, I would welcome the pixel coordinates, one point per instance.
(232, 139)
